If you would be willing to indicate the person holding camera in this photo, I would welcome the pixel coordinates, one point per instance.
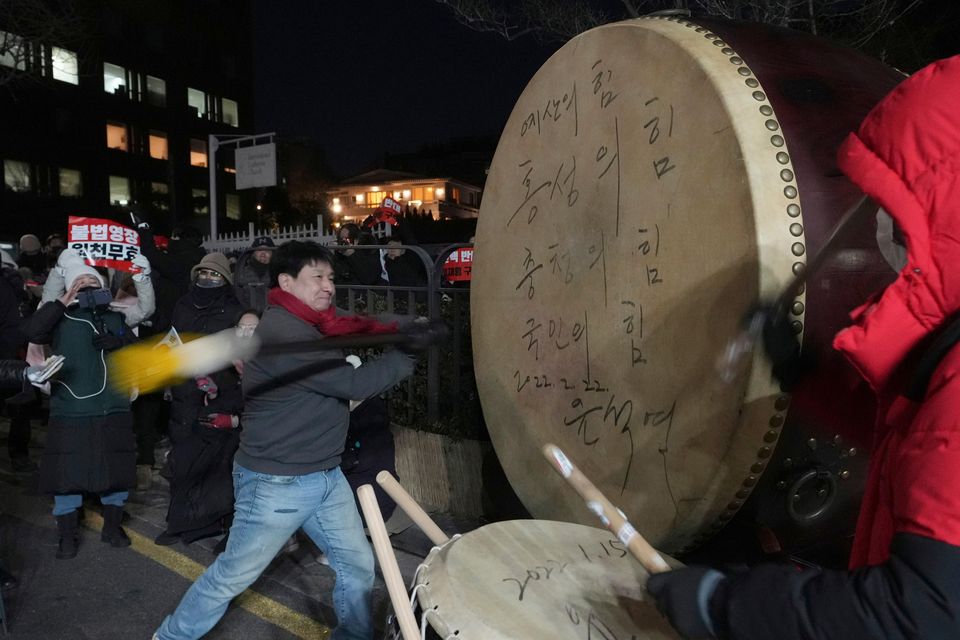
(90, 442)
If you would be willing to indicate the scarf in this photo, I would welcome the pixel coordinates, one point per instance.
(327, 322)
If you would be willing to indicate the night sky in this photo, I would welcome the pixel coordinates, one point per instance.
(365, 77)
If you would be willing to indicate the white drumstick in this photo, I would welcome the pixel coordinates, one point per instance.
(411, 508)
(609, 515)
(388, 562)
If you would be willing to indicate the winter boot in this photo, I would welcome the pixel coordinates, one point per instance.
(67, 526)
(112, 532)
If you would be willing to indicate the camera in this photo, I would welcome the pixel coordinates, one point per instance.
(93, 298)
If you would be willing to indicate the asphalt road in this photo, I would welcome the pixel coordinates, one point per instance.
(106, 593)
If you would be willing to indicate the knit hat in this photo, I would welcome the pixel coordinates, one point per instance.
(29, 243)
(72, 266)
(215, 262)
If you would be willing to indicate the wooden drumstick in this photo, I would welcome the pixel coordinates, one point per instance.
(416, 513)
(609, 515)
(388, 562)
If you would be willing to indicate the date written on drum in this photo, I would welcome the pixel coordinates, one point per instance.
(612, 549)
(539, 573)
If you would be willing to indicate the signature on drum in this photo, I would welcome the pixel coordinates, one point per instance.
(537, 574)
(596, 628)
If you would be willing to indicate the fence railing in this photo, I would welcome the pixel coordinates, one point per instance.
(240, 240)
(444, 382)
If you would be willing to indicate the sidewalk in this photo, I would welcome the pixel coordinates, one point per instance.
(108, 593)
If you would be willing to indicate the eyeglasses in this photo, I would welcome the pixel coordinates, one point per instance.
(209, 273)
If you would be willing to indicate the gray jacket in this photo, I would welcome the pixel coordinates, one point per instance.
(295, 423)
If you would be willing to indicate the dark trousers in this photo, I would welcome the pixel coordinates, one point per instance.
(18, 442)
(151, 413)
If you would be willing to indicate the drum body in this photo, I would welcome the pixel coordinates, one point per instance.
(655, 180)
(536, 579)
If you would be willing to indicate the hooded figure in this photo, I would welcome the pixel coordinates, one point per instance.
(198, 467)
(90, 444)
(904, 578)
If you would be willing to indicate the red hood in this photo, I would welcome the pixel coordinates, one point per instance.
(906, 156)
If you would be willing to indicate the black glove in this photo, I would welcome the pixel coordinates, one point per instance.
(780, 344)
(421, 335)
(683, 597)
(107, 341)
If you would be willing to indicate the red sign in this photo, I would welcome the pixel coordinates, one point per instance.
(103, 243)
(459, 265)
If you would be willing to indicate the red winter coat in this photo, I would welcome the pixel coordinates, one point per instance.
(904, 581)
(906, 156)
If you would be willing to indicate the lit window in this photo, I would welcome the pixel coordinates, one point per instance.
(198, 100)
(13, 51)
(117, 136)
(64, 65)
(158, 145)
(233, 206)
(406, 194)
(455, 194)
(156, 91)
(119, 190)
(359, 198)
(16, 176)
(159, 196)
(374, 198)
(439, 192)
(396, 195)
(231, 112)
(198, 152)
(201, 206)
(70, 183)
(114, 78)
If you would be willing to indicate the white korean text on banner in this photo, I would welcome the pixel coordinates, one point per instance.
(459, 265)
(103, 243)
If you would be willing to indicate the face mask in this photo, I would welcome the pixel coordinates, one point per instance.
(206, 282)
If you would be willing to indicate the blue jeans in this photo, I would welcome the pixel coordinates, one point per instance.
(269, 509)
(62, 505)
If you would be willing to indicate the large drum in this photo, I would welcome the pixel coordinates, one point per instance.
(657, 178)
(536, 579)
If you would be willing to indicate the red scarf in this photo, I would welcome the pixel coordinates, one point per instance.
(327, 322)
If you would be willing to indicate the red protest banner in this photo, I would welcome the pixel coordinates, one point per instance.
(459, 265)
(103, 243)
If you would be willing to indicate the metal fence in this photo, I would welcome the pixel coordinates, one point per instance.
(240, 240)
(441, 395)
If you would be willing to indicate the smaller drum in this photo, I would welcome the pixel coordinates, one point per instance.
(526, 579)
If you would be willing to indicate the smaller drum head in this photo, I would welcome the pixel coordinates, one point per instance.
(538, 579)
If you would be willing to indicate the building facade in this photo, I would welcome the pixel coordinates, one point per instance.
(120, 117)
(444, 198)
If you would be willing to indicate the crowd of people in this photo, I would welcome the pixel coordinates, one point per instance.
(219, 435)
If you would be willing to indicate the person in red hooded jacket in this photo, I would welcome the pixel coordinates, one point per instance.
(904, 574)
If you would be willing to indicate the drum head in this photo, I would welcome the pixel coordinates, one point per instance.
(640, 200)
(538, 579)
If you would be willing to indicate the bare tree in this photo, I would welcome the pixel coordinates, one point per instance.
(28, 30)
(558, 20)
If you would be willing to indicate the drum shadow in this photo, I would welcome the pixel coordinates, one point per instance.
(708, 447)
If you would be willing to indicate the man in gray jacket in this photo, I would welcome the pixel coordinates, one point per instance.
(287, 471)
